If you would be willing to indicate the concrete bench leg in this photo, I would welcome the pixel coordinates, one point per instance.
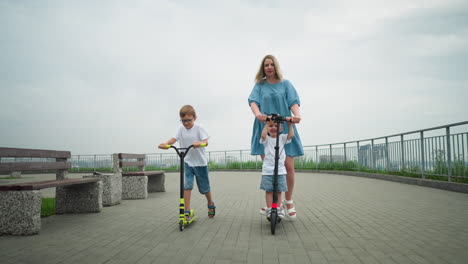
(20, 212)
(156, 183)
(111, 188)
(80, 198)
(134, 187)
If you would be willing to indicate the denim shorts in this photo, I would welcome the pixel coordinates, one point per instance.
(201, 173)
(267, 183)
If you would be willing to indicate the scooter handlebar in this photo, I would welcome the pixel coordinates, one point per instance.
(276, 118)
(201, 145)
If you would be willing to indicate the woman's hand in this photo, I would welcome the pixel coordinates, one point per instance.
(294, 119)
(261, 118)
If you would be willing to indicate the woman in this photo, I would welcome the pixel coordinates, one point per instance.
(273, 94)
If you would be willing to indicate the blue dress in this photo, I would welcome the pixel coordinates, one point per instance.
(275, 99)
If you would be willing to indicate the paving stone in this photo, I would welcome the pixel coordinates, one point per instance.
(341, 219)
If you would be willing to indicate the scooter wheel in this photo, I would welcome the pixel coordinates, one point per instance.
(181, 226)
(273, 221)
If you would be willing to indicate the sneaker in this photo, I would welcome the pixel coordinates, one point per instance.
(281, 213)
(263, 211)
(268, 213)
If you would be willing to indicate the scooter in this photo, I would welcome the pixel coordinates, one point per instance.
(182, 152)
(274, 206)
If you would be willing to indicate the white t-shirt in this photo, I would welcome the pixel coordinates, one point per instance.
(269, 144)
(186, 137)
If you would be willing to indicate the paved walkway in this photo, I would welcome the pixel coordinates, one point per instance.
(341, 219)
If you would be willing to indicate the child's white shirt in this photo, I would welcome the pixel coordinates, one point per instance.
(186, 137)
(268, 167)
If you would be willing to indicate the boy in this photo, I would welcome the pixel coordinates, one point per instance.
(268, 139)
(196, 164)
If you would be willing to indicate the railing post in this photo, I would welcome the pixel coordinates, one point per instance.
(160, 160)
(240, 159)
(316, 158)
(372, 154)
(358, 159)
(331, 158)
(422, 156)
(464, 155)
(449, 155)
(345, 159)
(402, 168)
(387, 158)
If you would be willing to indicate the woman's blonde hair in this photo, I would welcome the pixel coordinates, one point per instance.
(260, 77)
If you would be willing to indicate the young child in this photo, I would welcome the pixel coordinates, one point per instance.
(268, 139)
(196, 165)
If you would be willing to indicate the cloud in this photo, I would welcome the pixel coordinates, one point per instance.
(104, 77)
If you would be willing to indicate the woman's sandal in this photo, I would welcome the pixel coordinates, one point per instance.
(290, 213)
(211, 214)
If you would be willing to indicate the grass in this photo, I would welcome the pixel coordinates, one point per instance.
(459, 174)
(86, 170)
(236, 165)
(48, 206)
(156, 168)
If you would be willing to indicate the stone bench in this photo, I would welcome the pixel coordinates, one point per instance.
(111, 187)
(137, 184)
(20, 204)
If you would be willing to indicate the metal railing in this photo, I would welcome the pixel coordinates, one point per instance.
(443, 154)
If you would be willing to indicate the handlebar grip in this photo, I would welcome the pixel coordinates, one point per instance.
(203, 145)
(279, 118)
(168, 146)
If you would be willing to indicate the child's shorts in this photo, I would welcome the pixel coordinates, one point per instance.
(201, 173)
(267, 183)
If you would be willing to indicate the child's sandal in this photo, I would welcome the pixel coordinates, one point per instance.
(212, 213)
(188, 215)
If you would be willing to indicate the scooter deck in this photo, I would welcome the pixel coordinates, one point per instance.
(184, 221)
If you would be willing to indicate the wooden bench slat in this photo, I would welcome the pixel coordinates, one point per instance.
(141, 173)
(34, 153)
(131, 156)
(131, 163)
(34, 166)
(45, 184)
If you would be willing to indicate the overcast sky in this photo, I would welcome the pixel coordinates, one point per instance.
(100, 77)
